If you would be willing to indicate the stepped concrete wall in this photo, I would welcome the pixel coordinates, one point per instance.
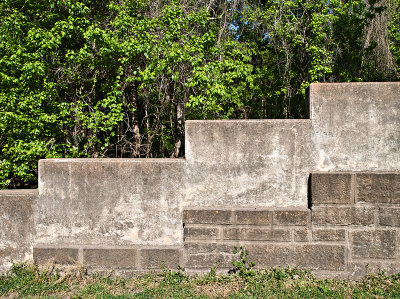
(246, 182)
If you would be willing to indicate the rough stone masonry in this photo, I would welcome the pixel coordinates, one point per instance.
(320, 193)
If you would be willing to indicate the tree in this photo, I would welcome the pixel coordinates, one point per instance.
(117, 78)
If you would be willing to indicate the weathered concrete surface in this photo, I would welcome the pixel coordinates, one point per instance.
(110, 201)
(356, 126)
(243, 163)
(16, 226)
(261, 163)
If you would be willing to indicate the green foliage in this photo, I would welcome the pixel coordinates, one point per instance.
(242, 267)
(29, 280)
(117, 78)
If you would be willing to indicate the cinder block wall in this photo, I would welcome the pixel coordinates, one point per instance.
(352, 227)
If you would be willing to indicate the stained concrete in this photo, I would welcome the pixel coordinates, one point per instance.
(261, 163)
(356, 126)
(247, 163)
(16, 226)
(239, 164)
(110, 201)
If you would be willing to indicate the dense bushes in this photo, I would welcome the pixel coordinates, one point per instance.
(117, 78)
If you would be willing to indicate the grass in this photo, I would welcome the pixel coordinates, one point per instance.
(30, 281)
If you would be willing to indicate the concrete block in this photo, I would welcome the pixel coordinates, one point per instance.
(311, 256)
(209, 247)
(256, 234)
(207, 216)
(56, 255)
(110, 257)
(334, 188)
(329, 235)
(254, 217)
(291, 217)
(110, 201)
(389, 216)
(359, 269)
(155, 258)
(331, 215)
(378, 188)
(16, 226)
(200, 233)
(378, 244)
(208, 260)
(356, 126)
(301, 235)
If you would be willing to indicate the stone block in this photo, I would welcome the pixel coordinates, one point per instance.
(311, 256)
(389, 216)
(208, 247)
(331, 215)
(378, 188)
(200, 233)
(256, 234)
(359, 269)
(329, 235)
(300, 235)
(208, 260)
(291, 217)
(207, 216)
(155, 258)
(60, 255)
(255, 217)
(110, 257)
(378, 244)
(333, 188)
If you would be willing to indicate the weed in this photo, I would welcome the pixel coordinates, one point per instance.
(241, 266)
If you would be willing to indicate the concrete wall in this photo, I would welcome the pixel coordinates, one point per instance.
(353, 127)
(16, 226)
(109, 201)
(104, 209)
(248, 163)
(356, 126)
(353, 227)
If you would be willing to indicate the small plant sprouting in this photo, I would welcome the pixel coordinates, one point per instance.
(174, 276)
(241, 266)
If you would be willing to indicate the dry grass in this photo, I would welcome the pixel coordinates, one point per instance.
(75, 282)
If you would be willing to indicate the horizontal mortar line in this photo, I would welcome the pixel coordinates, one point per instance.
(191, 225)
(341, 243)
(380, 260)
(256, 241)
(247, 209)
(338, 226)
(317, 228)
(94, 246)
(261, 242)
(355, 205)
(266, 226)
(372, 229)
(388, 226)
(195, 225)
